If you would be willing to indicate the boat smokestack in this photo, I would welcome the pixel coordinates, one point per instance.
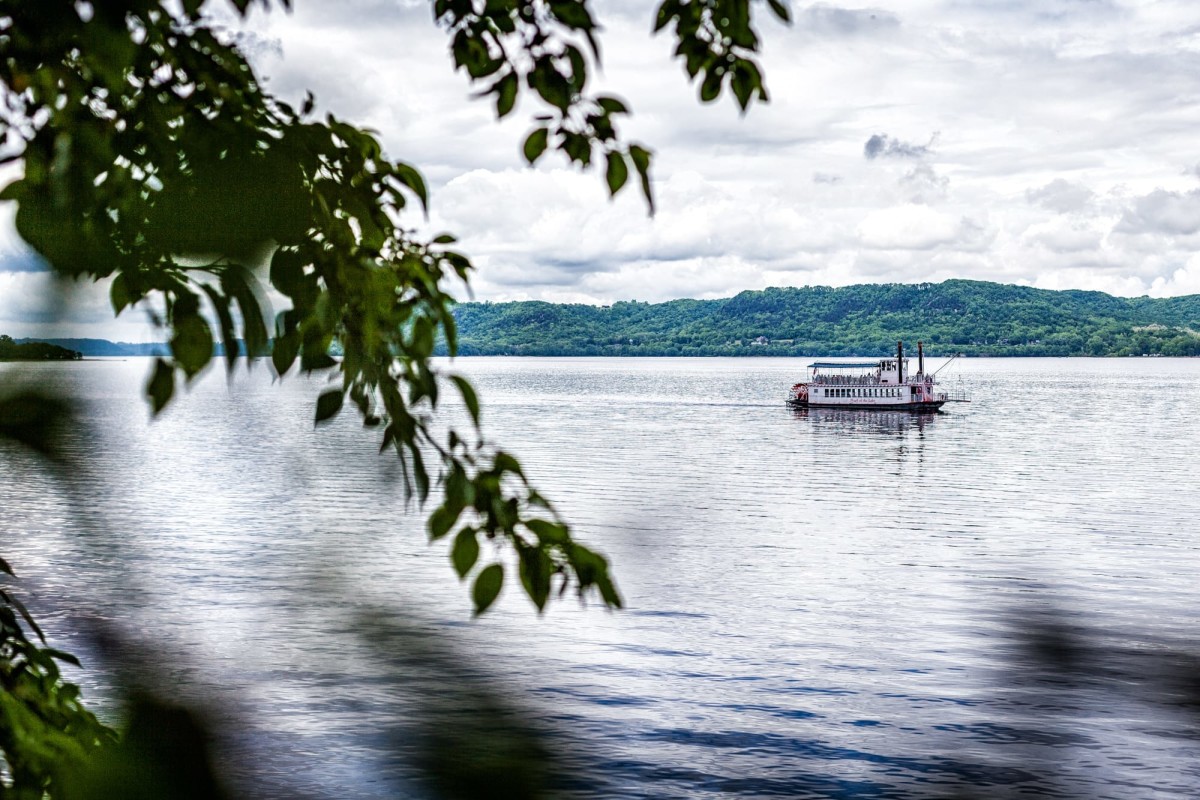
(920, 359)
(899, 362)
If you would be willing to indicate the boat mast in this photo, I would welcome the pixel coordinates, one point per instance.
(899, 362)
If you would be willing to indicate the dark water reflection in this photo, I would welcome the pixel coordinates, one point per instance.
(822, 603)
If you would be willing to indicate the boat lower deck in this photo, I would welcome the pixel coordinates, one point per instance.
(928, 406)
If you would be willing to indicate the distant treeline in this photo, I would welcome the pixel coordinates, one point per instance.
(103, 347)
(972, 317)
(25, 350)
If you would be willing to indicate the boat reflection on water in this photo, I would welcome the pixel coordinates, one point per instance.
(886, 423)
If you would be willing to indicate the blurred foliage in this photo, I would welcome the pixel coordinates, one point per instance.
(34, 419)
(164, 751)
(971, 317)
(45, 731)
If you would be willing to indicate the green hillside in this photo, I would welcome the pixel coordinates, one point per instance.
(29, 350)
(972, 317)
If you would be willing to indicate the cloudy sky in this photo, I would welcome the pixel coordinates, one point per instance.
(1042, 142)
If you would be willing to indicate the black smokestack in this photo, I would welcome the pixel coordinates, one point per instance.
(899, 362)
(920, 359)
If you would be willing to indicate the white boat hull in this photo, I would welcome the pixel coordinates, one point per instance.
(869, 405)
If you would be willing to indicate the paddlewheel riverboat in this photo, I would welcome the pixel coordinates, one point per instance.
(886, 385)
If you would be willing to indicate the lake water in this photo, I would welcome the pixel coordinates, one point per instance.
(821, 604)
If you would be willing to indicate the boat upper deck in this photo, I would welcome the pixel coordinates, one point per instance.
(862, 373)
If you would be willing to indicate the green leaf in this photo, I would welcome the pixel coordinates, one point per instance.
(442, 520)
(608, 591)
(239, 283)
(24, 612)
(612, 105)
(420, 474)
(468, 395)
(316, 358)
(161, 385)
(413, 180)
(548, 532)
(284, 351)
(641, 162)
(459, 491)
(220, 305)
(618, 173)
(329, 404)
(445, 238)
(535, 144)
(487, 587)
(666, 12)
(192, 344)
(506, 463)
(572, 13)
(743, 88)
(63, 656)
(710, 88)
(535, 573)
(4, 567)
(119, 293)
(465, 552)
(287, 272)
(780, 10)
(506, 94)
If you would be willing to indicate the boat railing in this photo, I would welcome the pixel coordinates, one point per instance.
(957, 394)
(845, 380)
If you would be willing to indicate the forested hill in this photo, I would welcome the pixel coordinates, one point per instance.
(972, 317)
(103, 347)
(27, 350)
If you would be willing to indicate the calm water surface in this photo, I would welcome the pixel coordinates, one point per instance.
(822, 604)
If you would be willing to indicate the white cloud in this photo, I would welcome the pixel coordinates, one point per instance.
(1163, 212)
(1061, 195)
(37, 304)
(912, 227)
(1064, 235)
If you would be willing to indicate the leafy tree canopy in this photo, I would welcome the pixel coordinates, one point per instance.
(152, 156)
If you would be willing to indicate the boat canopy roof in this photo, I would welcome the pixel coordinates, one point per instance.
(843, 364)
